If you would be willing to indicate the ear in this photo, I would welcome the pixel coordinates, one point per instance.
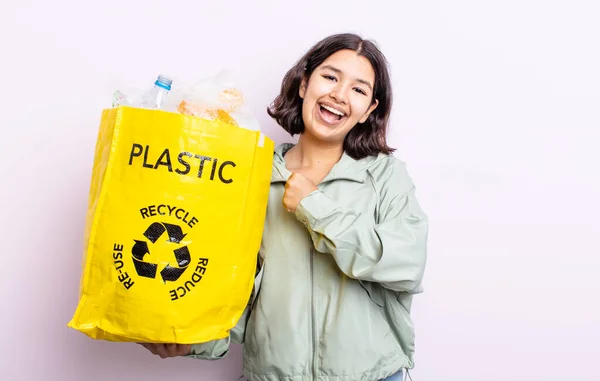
(303, 84)
(369, 111)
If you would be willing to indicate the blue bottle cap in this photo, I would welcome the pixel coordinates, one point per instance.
(164, 82)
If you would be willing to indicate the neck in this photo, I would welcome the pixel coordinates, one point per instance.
(310, 152)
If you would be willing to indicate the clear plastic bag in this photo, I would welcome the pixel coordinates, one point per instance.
(214, 98)
(153, 98)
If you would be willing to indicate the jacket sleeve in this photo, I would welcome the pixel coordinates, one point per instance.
(213, 350)
(218, 349)
(391, 251)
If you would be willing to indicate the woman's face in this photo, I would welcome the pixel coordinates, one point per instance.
(337, 96)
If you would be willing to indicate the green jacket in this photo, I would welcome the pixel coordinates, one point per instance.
(337, 278)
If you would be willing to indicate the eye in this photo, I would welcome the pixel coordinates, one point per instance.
(330, 77)
(360, 91)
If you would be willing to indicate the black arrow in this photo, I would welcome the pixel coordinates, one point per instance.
(145, 269)
(154, 231)
(171, 274)
(175, 232)
(183, 256)
(140, 249)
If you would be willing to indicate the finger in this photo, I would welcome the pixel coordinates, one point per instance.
(301, 176)
(292, 178)
(161, 350)
(285, 205)
(172, 350)
(184, 349)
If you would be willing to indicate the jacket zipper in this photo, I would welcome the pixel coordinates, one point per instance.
(312, 310)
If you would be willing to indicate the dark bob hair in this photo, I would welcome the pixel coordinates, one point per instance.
(366, 139)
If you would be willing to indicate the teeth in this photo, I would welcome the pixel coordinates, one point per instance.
(332, 110)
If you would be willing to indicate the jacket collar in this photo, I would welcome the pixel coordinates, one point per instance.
(345, 169)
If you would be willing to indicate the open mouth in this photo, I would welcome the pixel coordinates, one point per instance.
(330, 114)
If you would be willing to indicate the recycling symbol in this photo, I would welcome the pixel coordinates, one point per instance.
(153, 233)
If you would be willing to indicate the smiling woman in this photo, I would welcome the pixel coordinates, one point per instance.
(344, 243)
(334, 99)
(352, 81)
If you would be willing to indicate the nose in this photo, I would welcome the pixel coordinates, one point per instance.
(339, 94)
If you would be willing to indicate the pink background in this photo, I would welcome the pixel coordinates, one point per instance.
(496, 114)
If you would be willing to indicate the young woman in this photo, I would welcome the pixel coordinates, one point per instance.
(344, 245)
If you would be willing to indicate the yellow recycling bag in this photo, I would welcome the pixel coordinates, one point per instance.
(175, 218)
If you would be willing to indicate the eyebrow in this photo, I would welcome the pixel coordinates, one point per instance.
(338, 71)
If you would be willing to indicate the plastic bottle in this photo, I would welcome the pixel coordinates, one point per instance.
(155, 98)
